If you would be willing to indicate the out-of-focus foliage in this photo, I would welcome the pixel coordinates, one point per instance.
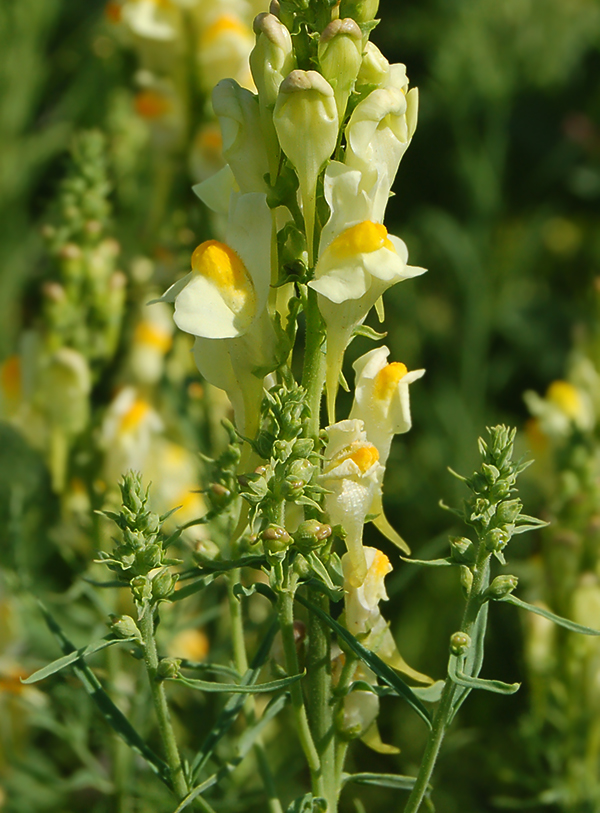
(499, 197)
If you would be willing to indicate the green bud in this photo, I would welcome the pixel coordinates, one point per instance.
(292, 488)
(462, 550)
(466, 579)
(133, 540)
(163, 585)
(459, 643)
(123, 626)
(311, 535)
(303, 447)
(501, 586)
(490, 473)
(508, 511)
(168, 668)
(302, 468)
(133, 495)
(272, 57)
(362, 11)
(220, 495)
(301, 567)
(254, 487)
(499, 491)
(282, 449)
(306, 122)
(276, 538)
(149, 558)
(206, 549)
(340, 57)
(495, 540)
(149, 523)
(141, 587)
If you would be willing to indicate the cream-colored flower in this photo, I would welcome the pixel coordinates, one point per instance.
(157, 20)
(564, 407)
(151, 341)
(129, 427)
(382, 402)
(358, 261)
(362, 614)
(353, 475)
(224, 48)
(223, 303)
(238, 113)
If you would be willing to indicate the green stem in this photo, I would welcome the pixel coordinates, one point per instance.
(285, 604)
(320, 701)
(146, 625)
(240, 659)
(313, 374)
(444, 711)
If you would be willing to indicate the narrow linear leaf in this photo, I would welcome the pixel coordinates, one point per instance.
(216, 566)
(369, 333)
(214, 668)
(195, 792)
(364, 686)
(459, 677)
(320, 569)
(384, 780)
(67, 660)
(237, 688)
(381, 669)
(112, 583)
(430, 562)
(192, 587)
(557, 619)
(113, 715)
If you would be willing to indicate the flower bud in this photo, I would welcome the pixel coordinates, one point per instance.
(501, 586)
(306, 122)
(292, 487)
(459, 643)
(360, 10)
(282, 449)
(340, 57)
(495, 540)
(149, 558)
(272, 58)
(141, 587)
(466, 579)
(65, 385)
(239, 118)
(490, 473)
(374, 68)
(276, 538)
(123, 626)
(168, 668)
(508, 511)
(163, 585)
(303, 447)
(462, 550)
(311, 535)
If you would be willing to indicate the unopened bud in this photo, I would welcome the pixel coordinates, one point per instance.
(360, 10)
(148, 558)
(141, 587)
(374, 68)
(501, 587)
(490, 473)
(462, 549)
(272, 57)
(495, 540)
(276, 538)
(168, 668)
(459, 643)
(311, 535)
(466, 579)
(123, 626)
(340, 57)
(306, 122)
(163, 585)
(508, 511)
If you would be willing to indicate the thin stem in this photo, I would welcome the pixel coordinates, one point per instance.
(320, 703)
(240, 659)
(313, 374)
(146, 625)
(286, 619)
(444, 711)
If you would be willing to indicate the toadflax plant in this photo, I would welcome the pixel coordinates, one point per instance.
(304, 258)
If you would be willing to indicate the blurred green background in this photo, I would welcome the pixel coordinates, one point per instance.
(498, 196)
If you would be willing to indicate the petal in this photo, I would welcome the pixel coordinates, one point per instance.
(249, 233)
(341, 284)
(201, 310)
(216, 191)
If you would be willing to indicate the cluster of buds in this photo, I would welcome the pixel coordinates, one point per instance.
(492, 510)
(139, 557)
(288, 474)
(45, 389)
